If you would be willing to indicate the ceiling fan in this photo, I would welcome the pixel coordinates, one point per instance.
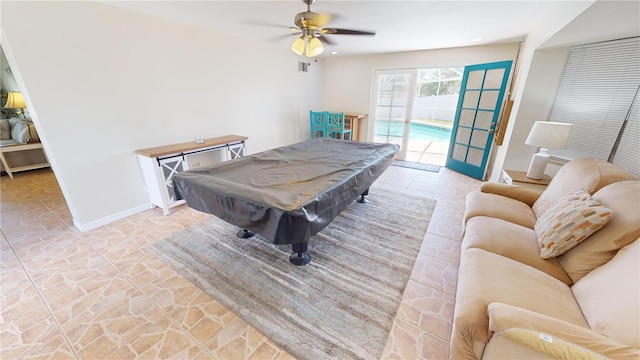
(310, 27)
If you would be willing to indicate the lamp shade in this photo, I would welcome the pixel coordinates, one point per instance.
(15, 100)
(549, 135)
(314, 47)
(298, 46)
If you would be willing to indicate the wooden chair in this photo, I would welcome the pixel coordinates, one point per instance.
(317, 124)
(336, 126)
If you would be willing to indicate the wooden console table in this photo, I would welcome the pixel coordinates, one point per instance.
(352, 121)
(160, 164)
(15, 149)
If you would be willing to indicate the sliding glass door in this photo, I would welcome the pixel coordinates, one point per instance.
(394, 96)
(415, 108)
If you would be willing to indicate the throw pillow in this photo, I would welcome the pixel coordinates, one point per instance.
(14, 120)
(20, 132)
(569, 222)
(5, 130)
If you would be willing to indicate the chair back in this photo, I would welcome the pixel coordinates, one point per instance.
(317, 124)
(335, 121)
(337, 127)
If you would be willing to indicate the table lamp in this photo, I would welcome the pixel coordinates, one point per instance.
(546, 135)
(15, 101)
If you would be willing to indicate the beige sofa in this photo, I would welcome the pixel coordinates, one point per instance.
(585, 303)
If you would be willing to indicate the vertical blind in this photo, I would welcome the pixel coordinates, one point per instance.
(596, 94)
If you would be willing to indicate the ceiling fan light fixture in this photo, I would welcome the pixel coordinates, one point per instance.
(298, 46)
(314, 47)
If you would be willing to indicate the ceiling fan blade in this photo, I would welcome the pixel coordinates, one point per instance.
(323, 19)
(281, 37)
(325, 40)
(264, 23)
(347, 32)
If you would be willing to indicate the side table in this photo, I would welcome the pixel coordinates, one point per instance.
(520, 178)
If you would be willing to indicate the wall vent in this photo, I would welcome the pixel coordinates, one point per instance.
(303, 66)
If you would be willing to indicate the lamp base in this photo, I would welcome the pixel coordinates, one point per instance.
(538, 165)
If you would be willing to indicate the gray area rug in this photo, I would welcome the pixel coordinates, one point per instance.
(416, 165)
(341, 305)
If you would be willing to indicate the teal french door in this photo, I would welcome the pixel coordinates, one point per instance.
(481, 94)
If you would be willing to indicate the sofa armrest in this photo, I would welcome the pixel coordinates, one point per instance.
(553, 337)
(520, 193)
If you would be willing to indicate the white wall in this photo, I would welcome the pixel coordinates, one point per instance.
(545, 73)
(543, 59)
(101, 82)
(348, 80)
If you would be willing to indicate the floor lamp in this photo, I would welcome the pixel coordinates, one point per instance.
(546, 135)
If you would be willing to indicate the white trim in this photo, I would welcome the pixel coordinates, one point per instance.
(111, 218)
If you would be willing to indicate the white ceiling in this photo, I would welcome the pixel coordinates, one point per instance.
(399, 25)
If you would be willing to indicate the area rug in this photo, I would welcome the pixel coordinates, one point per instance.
(416, 165)
(339, 306)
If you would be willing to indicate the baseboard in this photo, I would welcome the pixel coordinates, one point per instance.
(111, 218)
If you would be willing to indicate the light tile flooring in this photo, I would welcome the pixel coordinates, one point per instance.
(99, 295)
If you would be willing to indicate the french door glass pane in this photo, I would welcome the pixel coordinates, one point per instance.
(489, 99)
(493, 79)
(391, 108)
(483, 119)
(475, 80)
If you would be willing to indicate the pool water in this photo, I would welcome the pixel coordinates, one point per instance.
(417, 131)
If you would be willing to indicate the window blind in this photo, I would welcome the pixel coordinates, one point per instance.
(595, 94)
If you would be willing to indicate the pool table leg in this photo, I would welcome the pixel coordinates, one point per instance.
(245, 234)
(362, 200)
(300, 257)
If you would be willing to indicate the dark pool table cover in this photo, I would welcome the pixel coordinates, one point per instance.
(290, 193)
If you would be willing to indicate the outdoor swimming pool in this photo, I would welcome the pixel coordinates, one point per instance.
(418, 131)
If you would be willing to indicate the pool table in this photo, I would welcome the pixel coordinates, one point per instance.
(290, 193)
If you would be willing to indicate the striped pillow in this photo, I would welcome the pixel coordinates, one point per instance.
(566, 224)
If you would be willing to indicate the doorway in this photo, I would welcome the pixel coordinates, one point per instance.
(415, 108)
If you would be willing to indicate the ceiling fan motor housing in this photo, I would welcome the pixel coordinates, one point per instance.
(309, 20)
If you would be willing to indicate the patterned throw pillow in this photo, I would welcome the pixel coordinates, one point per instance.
(566, 224)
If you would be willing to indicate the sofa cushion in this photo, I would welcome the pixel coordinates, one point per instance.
(609, 296)
(569, 222)
(502, 347)
(5, 129)
(552, 337)
(484, 278)
(584, 173)
(622, 229)
(521, 193)
(500, 207)
(513, 241)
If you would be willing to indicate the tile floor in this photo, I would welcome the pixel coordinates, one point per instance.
(97, 295)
